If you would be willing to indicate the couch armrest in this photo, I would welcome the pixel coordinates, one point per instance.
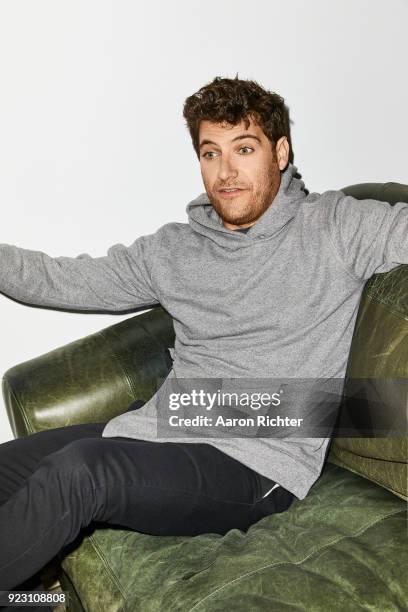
(92, 379)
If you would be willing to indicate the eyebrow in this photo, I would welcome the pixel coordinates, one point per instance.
(240, 137)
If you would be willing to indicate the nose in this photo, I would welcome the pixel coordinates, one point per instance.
(226, 170)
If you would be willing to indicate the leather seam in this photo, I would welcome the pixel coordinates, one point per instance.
(107, 567)
(120, 364)
(370, 478)
(388, 307)
(370, 457)
(20, 406)
(297, 563)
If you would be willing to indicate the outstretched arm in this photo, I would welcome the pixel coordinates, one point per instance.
(118, 281)
(368, 235)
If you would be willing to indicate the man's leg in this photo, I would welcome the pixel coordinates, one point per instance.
(160, 488)
(19, 459)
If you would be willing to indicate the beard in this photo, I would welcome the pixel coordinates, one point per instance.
(249, 205)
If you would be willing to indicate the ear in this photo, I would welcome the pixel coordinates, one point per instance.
(282, 150)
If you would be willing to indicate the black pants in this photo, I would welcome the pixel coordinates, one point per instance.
(56, 482)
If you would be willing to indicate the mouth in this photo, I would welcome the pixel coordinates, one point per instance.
(230, 192)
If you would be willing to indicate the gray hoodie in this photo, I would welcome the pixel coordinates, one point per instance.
(279, 301)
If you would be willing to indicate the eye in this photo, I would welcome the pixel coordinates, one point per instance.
(208, 153)
(248, 148)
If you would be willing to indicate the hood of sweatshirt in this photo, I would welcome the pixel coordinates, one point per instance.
(205, 220)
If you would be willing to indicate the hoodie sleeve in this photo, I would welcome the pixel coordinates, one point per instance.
(369, 236)
(117, 281)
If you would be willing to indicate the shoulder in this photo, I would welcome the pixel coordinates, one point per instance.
(316, 208)
(165, 236)
(336, 206)
(317, 201)
(173, 230)
(172, 233)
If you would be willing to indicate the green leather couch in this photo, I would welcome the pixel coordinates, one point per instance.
(342, 548)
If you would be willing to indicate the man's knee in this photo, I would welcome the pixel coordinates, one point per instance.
(69, 477)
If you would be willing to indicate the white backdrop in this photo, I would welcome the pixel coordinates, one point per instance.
(93, 146)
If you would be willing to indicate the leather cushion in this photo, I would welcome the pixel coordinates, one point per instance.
(341, 548)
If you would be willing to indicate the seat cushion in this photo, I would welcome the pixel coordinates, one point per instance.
(341, 548)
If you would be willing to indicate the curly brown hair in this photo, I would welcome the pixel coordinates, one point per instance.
(232, 100)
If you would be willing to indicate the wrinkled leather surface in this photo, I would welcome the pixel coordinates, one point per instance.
(379, 351)
(338, 549)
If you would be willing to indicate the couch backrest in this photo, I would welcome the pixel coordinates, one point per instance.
(376, 389)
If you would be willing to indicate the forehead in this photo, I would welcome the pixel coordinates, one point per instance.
(225, 132)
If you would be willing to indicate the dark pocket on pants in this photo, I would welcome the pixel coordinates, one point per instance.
(278, 500)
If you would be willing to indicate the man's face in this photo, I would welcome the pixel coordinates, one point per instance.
(236, 157)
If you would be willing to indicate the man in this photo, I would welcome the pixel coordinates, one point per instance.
(263, 281)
